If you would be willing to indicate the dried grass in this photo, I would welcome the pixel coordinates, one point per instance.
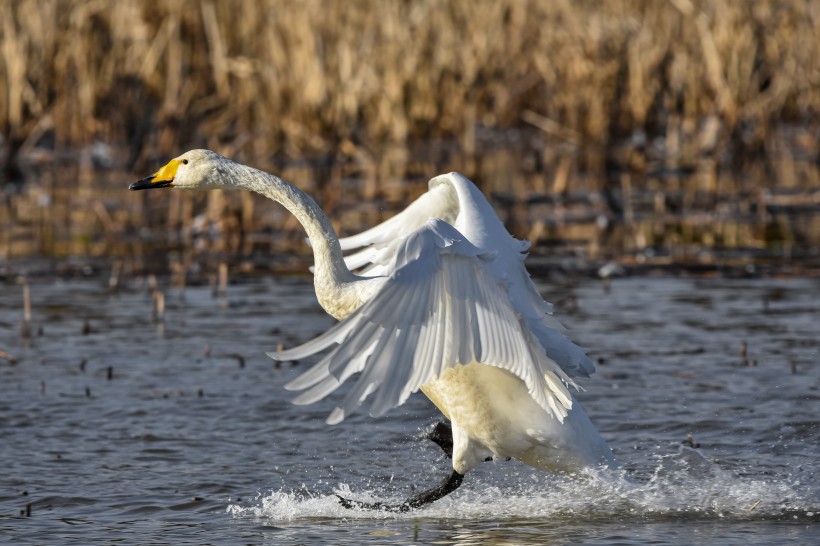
(264, 77)
(527, 96)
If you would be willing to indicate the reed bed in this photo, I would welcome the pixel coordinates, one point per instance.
(679, 122)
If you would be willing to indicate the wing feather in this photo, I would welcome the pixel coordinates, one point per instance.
(438, 202)
(316, 345)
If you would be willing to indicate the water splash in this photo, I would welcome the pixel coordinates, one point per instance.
(681, 486)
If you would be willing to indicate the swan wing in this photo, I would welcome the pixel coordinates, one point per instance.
(480, 224)
(537, 314)
(375, 249)
(443, 306)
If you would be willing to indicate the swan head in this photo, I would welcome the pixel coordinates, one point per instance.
(193, 169)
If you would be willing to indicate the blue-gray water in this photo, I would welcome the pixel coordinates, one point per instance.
(183, 445)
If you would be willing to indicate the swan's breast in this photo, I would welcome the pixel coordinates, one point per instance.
(491, 405)
(493, 408)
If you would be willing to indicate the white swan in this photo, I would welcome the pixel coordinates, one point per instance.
(443, 304)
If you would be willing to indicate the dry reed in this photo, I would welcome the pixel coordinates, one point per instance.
(260, 78)
(675, 104)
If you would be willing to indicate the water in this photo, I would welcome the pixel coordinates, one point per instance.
(193, 440)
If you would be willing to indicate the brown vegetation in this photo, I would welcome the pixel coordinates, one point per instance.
(682, 122)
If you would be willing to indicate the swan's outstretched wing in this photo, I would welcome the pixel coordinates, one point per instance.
(376, 248)
(455, 199)
(442, 306)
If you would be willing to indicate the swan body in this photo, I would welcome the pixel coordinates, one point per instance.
(441, 303)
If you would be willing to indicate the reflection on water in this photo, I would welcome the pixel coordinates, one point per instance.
(115, 426)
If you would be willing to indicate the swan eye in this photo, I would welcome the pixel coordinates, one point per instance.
(184, 161)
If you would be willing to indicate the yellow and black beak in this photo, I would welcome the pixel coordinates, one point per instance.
(163, 178)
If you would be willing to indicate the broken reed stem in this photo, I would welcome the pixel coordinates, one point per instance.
(212, 281)
(26, 301)
(114, 278)
(159, 306)
(178, 278)
(8, 358)
(25, 322)
(223, 280)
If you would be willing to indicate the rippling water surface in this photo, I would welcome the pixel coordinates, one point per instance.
(190, 438)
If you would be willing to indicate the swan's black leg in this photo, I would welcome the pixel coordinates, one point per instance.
(442, 435)
(447, 486)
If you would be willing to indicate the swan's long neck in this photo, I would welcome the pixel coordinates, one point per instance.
(332, 278)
